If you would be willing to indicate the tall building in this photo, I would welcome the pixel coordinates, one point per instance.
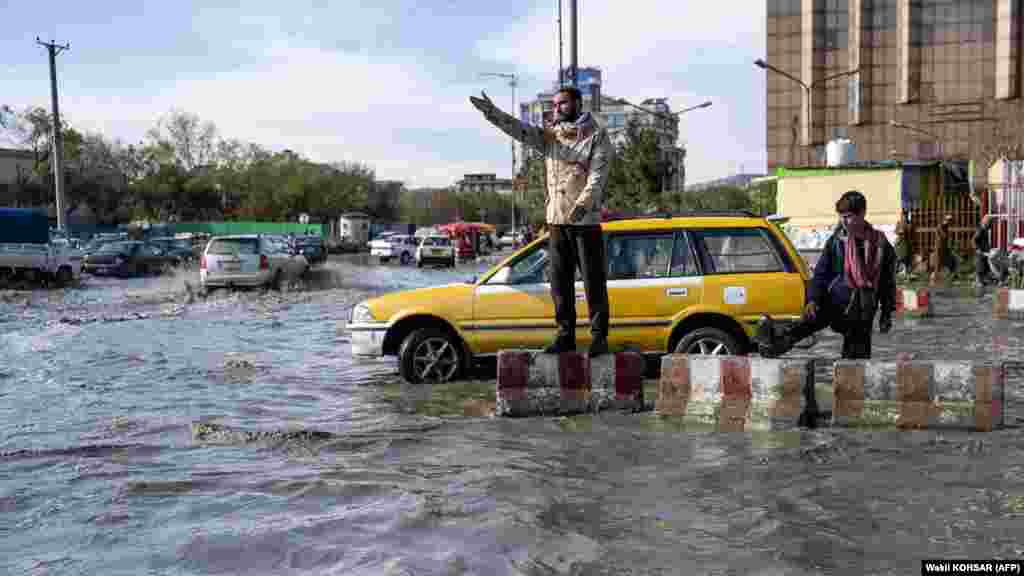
(937, 78)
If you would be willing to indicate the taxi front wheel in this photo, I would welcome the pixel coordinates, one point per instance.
(430, 355)
(709, 341)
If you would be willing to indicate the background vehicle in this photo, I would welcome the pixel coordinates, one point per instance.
(27, 249)
(694, 284)
(130, 258)
(175, 248)
(400, 246)
(248, 260)
(312, 248)
(435, 250)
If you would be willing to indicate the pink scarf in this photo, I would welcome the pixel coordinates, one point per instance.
(861, 274)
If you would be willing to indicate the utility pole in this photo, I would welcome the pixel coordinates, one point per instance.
(561, 50)
(57, 139)
(513, 81)
(574, 52)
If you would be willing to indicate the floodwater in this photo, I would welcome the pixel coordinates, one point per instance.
(144, 431)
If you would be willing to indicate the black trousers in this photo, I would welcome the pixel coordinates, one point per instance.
(856, 330)
(583, 247)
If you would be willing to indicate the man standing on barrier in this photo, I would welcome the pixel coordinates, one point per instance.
(854, 278)
(578, 154)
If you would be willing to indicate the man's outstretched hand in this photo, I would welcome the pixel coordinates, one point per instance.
(483, 104)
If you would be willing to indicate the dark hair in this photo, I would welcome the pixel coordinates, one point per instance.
(852, 201)
(571, 91)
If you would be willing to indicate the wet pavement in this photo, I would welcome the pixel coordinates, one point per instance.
(145, 429)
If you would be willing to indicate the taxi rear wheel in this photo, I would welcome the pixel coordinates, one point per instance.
(430, 355)
(709, 341)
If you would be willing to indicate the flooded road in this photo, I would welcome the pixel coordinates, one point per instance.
(145, 431)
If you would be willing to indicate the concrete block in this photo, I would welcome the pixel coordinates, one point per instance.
(735, 393)
(918, 395)
(537, 384)
(916, 303)
(1008, 304)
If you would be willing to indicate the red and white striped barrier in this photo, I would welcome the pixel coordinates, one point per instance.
(913, 302)
(735, 393)
(1009, 304)
(917, 395)
(537, 384)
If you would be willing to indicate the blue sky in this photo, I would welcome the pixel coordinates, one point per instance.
(386, 82)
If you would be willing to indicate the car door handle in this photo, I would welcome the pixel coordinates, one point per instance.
(581, 296)
(677, 291)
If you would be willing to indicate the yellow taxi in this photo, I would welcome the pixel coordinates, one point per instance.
(695, 283)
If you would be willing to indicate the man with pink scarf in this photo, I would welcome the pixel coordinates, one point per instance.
(853, 280)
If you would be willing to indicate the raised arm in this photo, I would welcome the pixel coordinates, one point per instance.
(531, 136)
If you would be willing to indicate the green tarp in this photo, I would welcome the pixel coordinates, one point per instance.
(228, 228)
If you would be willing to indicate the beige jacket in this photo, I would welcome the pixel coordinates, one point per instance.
(577, 155)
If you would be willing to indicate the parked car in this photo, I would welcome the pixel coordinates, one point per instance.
(401, 246)
(313, 248)
(181, 249)
(129, 258)
(248, 260)
(435, 250)
(694, 284)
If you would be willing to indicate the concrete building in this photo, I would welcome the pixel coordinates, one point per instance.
(15, 171)
(480, 183)
(946, 71)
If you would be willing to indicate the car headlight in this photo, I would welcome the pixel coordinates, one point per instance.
(361, 314)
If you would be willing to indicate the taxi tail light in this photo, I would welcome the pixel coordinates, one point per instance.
(264, 262)
(202, 262)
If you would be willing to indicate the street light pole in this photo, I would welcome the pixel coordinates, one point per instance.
(513, 81)
(808, 91)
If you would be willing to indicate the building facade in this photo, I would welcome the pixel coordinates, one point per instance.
(480, 183)
(935, 79)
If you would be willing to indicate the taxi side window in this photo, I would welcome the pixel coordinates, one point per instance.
(684, 257)
(741, 250)
(531, 269)
(632, 257)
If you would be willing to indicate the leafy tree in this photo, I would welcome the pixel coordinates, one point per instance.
(635, 177)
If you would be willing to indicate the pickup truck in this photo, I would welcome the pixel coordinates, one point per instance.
(27, 249)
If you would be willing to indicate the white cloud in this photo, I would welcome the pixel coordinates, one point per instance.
(326, 105)
(648, 48)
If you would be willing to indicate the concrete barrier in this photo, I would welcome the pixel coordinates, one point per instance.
(913, 302)
(917, 395)
(736, 393)
(537, 384)
(1009, 304)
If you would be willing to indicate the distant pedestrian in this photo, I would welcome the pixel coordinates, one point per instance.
(943, 259)
(854, 278)
(982, 245)
(905, 243)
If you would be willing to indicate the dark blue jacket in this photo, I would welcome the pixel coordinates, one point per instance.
(828, 286)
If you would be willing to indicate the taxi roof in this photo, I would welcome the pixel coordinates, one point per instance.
(697, 221)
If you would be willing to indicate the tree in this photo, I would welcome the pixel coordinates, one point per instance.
(192, 141)
(635, 177)
(718, 198)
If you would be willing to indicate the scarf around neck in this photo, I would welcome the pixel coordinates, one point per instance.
(866, 272)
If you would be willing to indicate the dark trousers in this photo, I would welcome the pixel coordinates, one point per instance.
(855, 329)
(571, 247)
(981, 269)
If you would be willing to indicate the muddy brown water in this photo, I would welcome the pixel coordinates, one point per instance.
(144, 433)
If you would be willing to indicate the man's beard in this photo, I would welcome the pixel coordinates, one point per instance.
(568, 117)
